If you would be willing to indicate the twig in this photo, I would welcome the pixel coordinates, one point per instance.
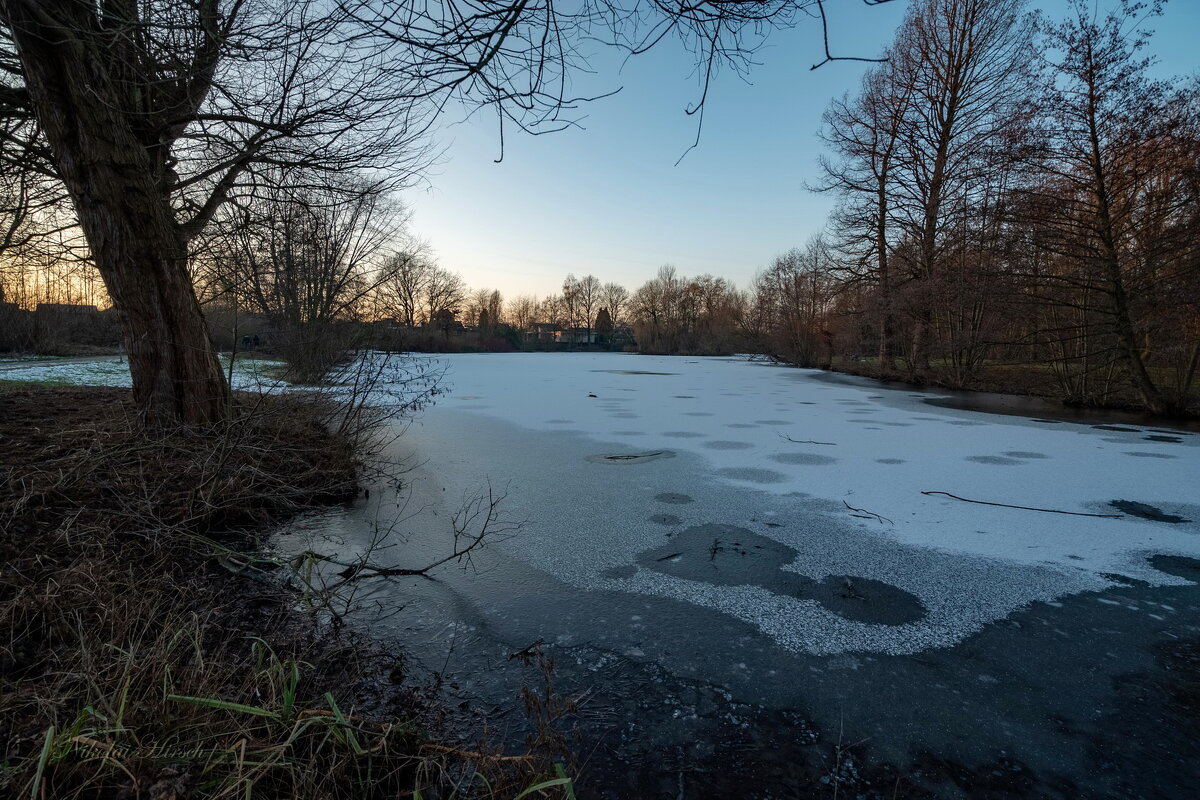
(882, 519)
(806, 441)
(529, 650)
(1028, 508)
(825, 37)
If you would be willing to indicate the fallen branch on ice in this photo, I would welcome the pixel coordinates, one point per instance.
(806, 441)
(868, 514)
(1028, 508)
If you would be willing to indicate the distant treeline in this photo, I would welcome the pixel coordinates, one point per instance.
(1018, 209)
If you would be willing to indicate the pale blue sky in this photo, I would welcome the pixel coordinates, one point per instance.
(609, 200)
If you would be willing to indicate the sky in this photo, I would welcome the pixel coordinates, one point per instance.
(608, 198)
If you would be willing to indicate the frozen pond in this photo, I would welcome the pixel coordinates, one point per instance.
(740, 559)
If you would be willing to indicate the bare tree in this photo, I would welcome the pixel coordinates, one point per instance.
(793, 298)
(674, 314)
(443, 292)
(154, 114)
(484, 308)
(572, 308)
(864, 132)
(587, 297)
(309, 258)
(963, 64)
(614, 297)
(1112, 192)
(495, 307)
(552, 310)
(401, 294)
(521, 311)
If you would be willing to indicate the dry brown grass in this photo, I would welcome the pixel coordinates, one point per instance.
(133, 665)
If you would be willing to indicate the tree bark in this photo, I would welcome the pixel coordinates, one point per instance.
(120, 186)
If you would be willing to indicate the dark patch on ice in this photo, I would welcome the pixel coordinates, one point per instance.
(810, 459)
(627, 571)
(890, 461)
(964, 423)
(1179, 566)
(1172, 432)
(631, 458)
(1147, 511)
(1120, 428)
(1024, 454)
(1000, 460)
(723, 444)
(772, 422)
(697, 414)
(1139, 454)
(866, 600)
(1162, 438)
(1046, 421)
(674, 498)
(665, 519)
(752, 474)
(741, 425)
(685, 396)
(683, 434)
(727, 555)
(897, 424)
(624, 415)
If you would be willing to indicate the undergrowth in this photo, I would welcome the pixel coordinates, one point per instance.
(136, 662)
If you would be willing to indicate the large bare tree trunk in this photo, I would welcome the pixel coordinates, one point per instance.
(120, 187)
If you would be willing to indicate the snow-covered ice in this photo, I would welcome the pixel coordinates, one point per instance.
(788, 455)
(738, 429)
(248, 374)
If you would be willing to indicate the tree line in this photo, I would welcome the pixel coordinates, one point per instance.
(146, 122)
(1018, 199)
(1019, 190)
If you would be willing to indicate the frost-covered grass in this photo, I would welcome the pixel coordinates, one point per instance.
(249, 374)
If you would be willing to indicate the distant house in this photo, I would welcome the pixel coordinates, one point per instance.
(545, 332)
(575, 336)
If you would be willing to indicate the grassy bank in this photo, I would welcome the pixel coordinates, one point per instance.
(139, 657)
(1105, 391)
